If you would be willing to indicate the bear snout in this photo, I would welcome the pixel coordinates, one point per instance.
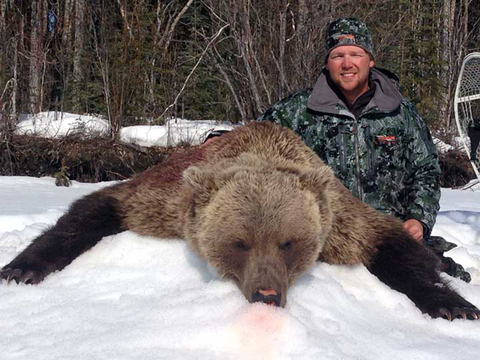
(265, 280)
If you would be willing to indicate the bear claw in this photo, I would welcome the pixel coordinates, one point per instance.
(444, 314)
(10, 274)
(20, 275)
(28, 278)
(459, 313)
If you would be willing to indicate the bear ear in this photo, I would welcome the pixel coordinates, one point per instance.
(317, 180)
(202, 183)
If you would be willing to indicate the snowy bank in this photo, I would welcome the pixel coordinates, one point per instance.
(175, 132)
(132, 297)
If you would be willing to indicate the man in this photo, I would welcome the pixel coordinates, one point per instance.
(358, 122)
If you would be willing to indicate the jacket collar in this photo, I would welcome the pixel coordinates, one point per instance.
(387, 97)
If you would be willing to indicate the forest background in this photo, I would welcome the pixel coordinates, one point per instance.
(143, 61)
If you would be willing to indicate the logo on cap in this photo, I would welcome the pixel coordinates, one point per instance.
(346, 36)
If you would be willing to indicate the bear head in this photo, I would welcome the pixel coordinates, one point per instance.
(258, 223)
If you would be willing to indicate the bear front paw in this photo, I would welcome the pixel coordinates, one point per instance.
(21, 275)
(466, 313)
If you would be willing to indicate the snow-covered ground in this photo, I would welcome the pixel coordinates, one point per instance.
(54, 124)
(174, 132)
(133, 297)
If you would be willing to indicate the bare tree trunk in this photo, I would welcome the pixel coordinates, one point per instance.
(230, 86)
(448, 58)
(172, 24)
(17, 46)
(302, 42)
(244, 43)
(4, 40)
(281, 46)
(36, 53)
(104, 68)
(15, 76)
(102, 63)
(80, 34)
(67, 48)
(68, 22)
(123, 11)
(3, 15)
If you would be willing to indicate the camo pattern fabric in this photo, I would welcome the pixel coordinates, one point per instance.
(388, 160)
(348, 31)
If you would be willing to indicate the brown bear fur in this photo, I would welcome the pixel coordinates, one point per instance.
(260, 207)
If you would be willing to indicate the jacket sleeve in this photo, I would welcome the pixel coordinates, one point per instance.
(289, 111)
(423, 169)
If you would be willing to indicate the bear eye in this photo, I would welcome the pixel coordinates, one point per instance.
(287, 245)
(241, 246)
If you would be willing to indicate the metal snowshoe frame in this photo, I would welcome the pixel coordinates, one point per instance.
(467, 102)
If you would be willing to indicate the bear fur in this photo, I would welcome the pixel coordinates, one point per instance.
(260, 207)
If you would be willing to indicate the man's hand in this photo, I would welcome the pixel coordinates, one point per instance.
(414, 228)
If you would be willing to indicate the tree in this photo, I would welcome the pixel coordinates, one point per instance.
(145, 60)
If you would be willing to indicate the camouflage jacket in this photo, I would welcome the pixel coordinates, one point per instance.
(386, 157)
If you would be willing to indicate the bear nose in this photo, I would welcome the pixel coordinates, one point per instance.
(267, 296)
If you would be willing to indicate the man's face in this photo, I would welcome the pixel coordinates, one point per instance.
(349, 67)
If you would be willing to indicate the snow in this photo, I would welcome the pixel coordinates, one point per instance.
(174, 132)
(442, 146)
(57, 125)
(134, 297)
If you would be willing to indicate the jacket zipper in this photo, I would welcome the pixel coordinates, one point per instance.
(357, 159)
(343, 155)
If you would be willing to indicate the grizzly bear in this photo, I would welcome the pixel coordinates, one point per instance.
(260, 207)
